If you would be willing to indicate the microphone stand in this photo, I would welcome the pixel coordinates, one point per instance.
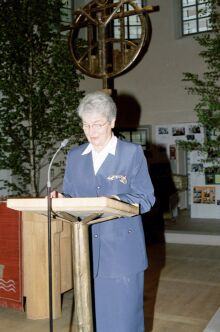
(49, 209)
(49, 205)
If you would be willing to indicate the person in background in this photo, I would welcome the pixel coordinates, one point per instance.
(107, 166)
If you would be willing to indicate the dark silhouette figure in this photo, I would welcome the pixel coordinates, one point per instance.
(166, 198)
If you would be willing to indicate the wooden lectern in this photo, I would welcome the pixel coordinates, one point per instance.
(70, 251)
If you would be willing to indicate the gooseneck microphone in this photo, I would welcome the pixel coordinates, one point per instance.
(49, 209)
(62, 145)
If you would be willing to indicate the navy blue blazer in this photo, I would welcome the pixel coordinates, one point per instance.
(118, 246)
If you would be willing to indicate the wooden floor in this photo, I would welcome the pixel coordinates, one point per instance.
(183, 282)
(182, 292)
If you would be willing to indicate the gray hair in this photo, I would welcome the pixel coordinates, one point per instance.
(98, 102)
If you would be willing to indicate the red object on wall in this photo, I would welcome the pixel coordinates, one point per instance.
(10, 258)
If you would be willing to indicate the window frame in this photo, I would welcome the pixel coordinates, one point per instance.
(67, 9)
(198, 17)
(128, 25)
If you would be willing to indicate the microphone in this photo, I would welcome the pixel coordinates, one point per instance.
(62, 145)
(64, 142)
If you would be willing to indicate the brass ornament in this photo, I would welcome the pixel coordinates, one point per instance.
(94, 48)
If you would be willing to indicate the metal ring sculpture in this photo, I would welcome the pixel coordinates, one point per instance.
(94, 48)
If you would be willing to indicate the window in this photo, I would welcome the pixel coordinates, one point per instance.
(132, 23)
(66, 12)
(195, 16)
(140, 135)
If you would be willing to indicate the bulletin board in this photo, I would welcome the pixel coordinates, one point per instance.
(203, 187)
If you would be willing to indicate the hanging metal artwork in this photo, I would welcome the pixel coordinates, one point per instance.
(99, 40)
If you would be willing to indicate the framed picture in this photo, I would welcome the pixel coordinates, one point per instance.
(141, 135)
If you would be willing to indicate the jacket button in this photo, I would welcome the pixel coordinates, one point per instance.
(96, 235)
(130, 231)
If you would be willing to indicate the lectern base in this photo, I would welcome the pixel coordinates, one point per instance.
(35, 264)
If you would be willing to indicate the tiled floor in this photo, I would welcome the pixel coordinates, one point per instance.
(182, 287)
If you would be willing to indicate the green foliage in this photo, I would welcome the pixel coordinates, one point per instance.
(207, 87)
(39, 90)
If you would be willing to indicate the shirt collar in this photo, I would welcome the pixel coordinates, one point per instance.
(109, 148)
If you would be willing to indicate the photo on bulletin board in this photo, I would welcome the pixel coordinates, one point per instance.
(194, 129)
(178, 131)
(204, 195)
(197, 167)
(163, 131)
(212, 175)
(172, 152)
(217, 178)
(210, 178)
(190, 137)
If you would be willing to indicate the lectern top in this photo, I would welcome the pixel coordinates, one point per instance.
(79, 207)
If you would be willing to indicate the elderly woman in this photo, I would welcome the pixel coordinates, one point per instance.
(107, 166)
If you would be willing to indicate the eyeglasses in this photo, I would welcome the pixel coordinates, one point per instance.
(95, 126)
